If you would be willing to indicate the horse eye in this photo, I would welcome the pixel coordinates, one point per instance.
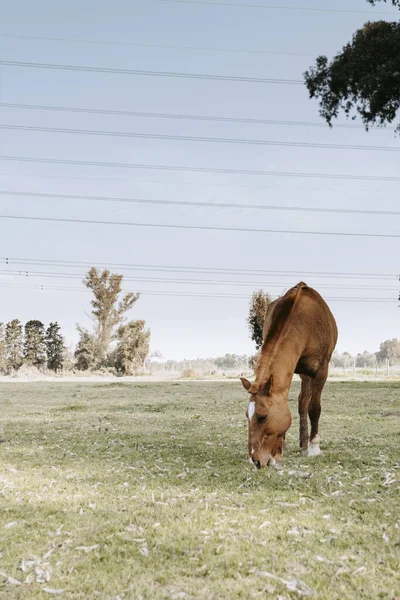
(261, 418)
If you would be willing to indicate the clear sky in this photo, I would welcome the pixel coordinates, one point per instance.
(190, 326)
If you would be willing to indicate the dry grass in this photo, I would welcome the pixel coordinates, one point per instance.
(144, 491)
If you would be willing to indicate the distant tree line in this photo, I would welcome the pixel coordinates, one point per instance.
(31, 344)
(211, 366)
(114, 344)
(389, 351)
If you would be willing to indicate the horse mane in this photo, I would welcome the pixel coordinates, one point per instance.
(278, 329)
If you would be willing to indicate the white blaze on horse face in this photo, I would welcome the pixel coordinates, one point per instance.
(252, 451)
(251, 410)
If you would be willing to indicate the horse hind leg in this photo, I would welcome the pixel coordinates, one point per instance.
(314, 412)
(304, 402)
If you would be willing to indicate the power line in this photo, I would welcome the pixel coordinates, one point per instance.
(175, 182)
(202, 227)
(190, 138)
(265, 285)
(185, 269)
(274, 7)
(202, 76)
(160, 46)
(43, 288)
(219, 119)
(88, 163)
(114, 199)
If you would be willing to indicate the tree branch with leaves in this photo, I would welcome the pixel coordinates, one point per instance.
(363, 78)
(394, 2)
(259, 304)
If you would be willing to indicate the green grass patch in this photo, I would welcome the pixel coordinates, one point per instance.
(146, 492)
(70, 407)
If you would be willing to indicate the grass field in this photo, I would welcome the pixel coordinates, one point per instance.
(144, 491)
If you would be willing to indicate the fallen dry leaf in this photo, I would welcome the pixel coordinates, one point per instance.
(292, 584)
(87, 548)
(43, 572)
(134, 529)
(27, 565)
(9, 579)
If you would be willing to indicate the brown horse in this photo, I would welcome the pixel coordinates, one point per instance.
(300, 335)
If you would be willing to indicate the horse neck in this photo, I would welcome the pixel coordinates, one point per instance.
(284, 364)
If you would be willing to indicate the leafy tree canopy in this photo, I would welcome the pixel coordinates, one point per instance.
(54, 347)
(258, 307)
(14, 345)
(363, 78)
(390, 350)
(133, 347)
(394, 2)
(34, 345)
(108, 310)
(3, 362)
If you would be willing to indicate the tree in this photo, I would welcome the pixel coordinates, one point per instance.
(366, 360)
(34, 344)
(133, 347)
(253, 361)
(231, 361)
(340, 360)
(107, 312)
(363, 78)
(3, 361)
(394, 2)
(259, 303)
(68, 359)
(87, 353)
(389, 350)
(14, 345)
(54, 347)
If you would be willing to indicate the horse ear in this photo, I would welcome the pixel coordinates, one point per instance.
(246, 383)
(269, 386)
